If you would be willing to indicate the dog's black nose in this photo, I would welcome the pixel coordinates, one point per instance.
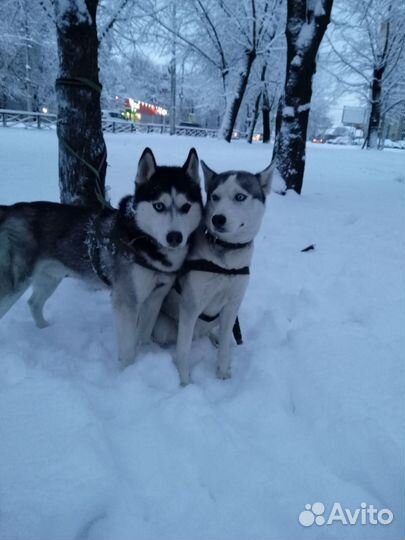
(174, 238)
(218, 220)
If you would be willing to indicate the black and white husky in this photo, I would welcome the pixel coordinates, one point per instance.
(136, 250)
(215, 276)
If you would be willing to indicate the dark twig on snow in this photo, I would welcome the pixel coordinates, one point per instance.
(308, 248)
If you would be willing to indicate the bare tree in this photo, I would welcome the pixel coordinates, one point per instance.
(264, 91)
(367, 47)
(258, 32)
(307, 21)
(27, 56)
(253, 105)
(319, 120)
(226, 35)
(393, 103)
(199, 29)
(173, 72)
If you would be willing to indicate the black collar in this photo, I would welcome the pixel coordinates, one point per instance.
(227, 245)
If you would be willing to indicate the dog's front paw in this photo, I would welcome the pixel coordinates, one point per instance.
(223, 374)
(184, 378)
(183, 375)
(124, 363)
(42, 324)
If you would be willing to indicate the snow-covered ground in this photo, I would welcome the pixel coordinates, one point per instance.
(316, 406)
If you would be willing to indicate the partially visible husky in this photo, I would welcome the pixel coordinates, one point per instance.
(136, 250)
(212, 286)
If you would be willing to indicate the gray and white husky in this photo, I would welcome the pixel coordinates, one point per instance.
(212, 286)
(136, 250)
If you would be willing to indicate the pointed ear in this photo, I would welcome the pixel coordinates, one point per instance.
(209, 175)
(266, 177)
(191, 165)
(146, 167)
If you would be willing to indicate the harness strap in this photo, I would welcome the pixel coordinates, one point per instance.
(202, 265)
(208, 318)
(237, 332)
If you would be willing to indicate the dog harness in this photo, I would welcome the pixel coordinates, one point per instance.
(202, 265)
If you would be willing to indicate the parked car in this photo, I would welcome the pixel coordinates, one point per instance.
(190, 124)
(344, 139)
(399, 145)
(112, 116)
(318, 140)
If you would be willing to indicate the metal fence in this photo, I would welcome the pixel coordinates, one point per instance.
(9, 118)
(130, 127)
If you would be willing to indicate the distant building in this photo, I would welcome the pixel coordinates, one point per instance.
(356, 117)
(140, 111)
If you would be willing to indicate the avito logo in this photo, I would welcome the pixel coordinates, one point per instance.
(367, 514)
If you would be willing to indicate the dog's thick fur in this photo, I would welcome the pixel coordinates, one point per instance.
(233, 214)
(136, 250)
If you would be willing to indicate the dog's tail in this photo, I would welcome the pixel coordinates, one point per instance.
(17, 248)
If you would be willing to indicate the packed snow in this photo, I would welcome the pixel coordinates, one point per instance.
(314, 411)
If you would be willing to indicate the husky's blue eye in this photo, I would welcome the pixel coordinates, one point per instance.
(214, 197)
(240, 197)
(159, 206)
(185, 208)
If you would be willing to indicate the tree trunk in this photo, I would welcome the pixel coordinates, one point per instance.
(82, 150)
(304, 31)
(382, 133)
(253, 119)
(173, 75)
(375, 113)
(265, 106)
(27, 51)
(3, 100)
(234, 103)
(266, 117)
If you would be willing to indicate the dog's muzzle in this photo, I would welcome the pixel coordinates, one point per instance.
(174, 238)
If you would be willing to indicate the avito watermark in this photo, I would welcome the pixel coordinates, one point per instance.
(367, 514)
